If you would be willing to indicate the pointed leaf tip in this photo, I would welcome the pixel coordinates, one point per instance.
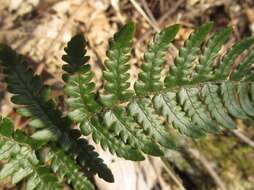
(125, 34)
(175, 28)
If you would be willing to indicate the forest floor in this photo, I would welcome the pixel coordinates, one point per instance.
(39, 29)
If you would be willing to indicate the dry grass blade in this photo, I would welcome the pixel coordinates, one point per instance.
(141, 11)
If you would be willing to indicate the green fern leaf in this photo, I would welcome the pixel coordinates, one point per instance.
(85, 154)
(18, 150)
(75, 54)
(116, 76)
(122, 125)
(167, 105)
(197, 96)
(204, 70)
(193, 106)
(183, 65)
(152, 124)
(215, 106)
(28, 91)
(243, 69)
(113, 143)
(81, 102)
(230, 101)
(190, 100)
(66, 168)
(79, 86)
(225, 66)
(149, 77)
(245, 101)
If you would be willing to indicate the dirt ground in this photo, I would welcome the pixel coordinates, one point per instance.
(39, 29)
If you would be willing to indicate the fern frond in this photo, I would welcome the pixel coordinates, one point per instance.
(79, 86)
(229, 98)
(245, 101)
(183, 64)
(29, 92)
(149, 77)
(85, 154)
(118, 122)
(116, 75)
(243, 69)
(145, 115)
(78, 89)
(197, 96)
(113, 143)
(194, 108)
(66, 168)
(225, 66)
(18, 150)
(210, 94)
(190, 99)
(204, 69)
(167, 105)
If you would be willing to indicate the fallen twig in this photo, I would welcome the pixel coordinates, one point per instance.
(171, 174)
(141, 11)
(243, 138)
(196, 154)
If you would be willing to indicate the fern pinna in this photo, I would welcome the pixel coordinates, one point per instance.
(23, 162)
(196, 97)
(48, 122)
(200, 94)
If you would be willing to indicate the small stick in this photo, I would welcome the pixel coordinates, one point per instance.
(148, 11)
(168, 169)
(140, 10)
(160, 22)
(243, 138)
(196, 154)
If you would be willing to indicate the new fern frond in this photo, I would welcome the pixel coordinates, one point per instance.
(199, 95)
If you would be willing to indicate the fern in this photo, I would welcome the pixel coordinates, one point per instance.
(66, 168)
(200, 94)
(79, 90)
(180, 72)
(149, 77)
(18, 150)
(116, 76)
(34, 97)
(197, 96)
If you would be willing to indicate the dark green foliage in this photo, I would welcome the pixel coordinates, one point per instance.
(113, 143)
(29, 92)
(119, 123)
(81, 101)
(226, 64)
(76, 54)
(243, 69)
(198, 96)
(66, 168)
